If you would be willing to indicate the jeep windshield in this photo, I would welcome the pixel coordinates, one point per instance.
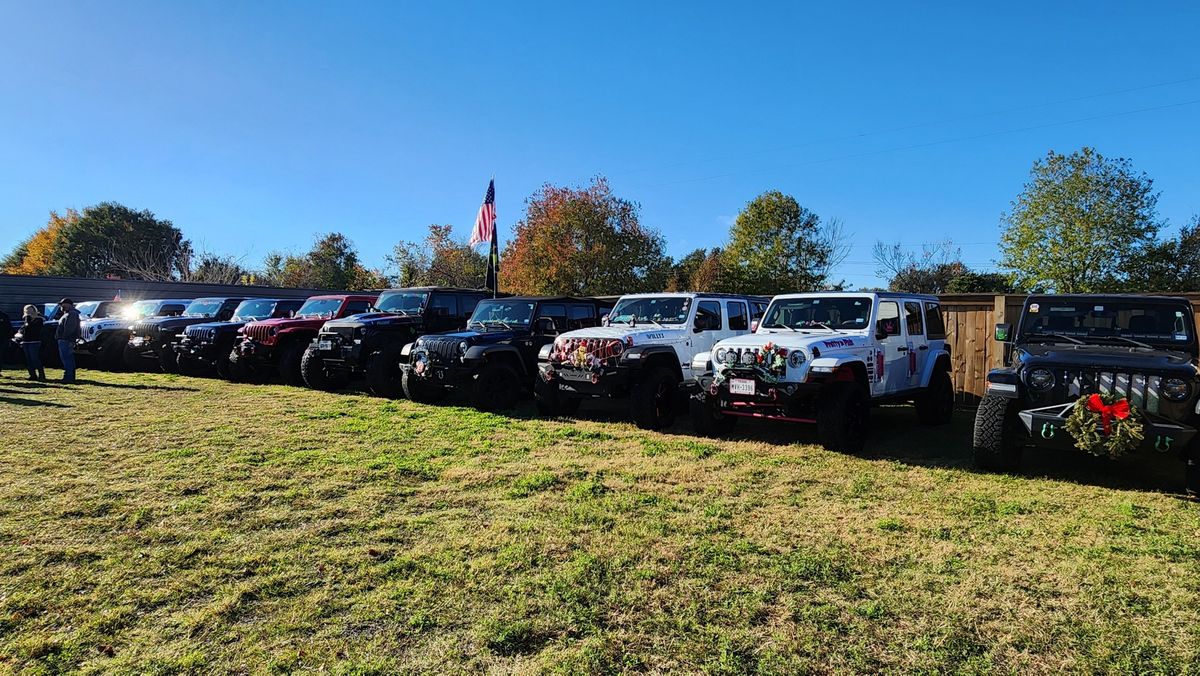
(98, 309)
(402, 302)
(319, 308)
(140, 309)
(651, 310)
(506, 313)
(253, 310)
(203, 308)
(832, 313)
(1109, 322)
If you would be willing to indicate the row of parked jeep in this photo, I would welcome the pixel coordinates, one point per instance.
(815, 358)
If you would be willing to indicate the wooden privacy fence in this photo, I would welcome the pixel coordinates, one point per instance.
(971, 320)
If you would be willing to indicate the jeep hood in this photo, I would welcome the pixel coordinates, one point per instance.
(475, 337)
(823, 342)
(641, 334)
(221, 326)
(375, 319)
(1123, 358)
(282, 323)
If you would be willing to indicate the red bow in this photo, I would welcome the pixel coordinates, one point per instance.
(1118, 410)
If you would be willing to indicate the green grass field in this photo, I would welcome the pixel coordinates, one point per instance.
(161, 524)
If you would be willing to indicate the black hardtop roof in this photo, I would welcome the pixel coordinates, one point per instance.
(456, 289)
(551, 299)
(699, 294)
(222, 298)
(1118, 297)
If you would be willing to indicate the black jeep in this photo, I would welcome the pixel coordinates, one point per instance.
(495, 359)
(1139, 350)
(371, 344)
(150, 339)
(206, 347)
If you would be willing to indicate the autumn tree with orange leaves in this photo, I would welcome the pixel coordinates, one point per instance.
(582, 241)
(35, 256)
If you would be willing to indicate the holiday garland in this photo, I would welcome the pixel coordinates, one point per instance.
(1105, 425)
(768, 361)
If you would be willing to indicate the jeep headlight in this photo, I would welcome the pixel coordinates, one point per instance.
(795, 358)
(1176, 389)
(748, 358)
(721, 352)
(1041, 379)
(731, 357)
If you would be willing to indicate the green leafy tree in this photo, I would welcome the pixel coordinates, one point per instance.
(113, 239)
(776, 245)
(331, 263)
(979, 282)
(1079, 224)
(1172, 265)
(439, 260)
(684, 269)
(584, 241)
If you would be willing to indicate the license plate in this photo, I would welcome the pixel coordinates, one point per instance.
(324, 345)
(569, 374)
(741, 386)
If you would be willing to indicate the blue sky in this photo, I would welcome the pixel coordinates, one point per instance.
(254, 126)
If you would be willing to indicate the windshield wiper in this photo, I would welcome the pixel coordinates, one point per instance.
(1040, 334)
(1127, 340)
(780, 326)
(825, 326)
(654, 322)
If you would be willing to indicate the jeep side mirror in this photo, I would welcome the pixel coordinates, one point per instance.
(753, 326)
(1003, 332)
(603, 320)
(546, 325)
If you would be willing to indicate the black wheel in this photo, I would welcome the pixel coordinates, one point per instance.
(312, 368)
(842, 417)
(110, 356)
(190, 367)
(289, 364)
(384, 378)
(653, 401)
(133, 360)
(168, 359)
(707, 419)
(419, 390)
(995, 444)
(935, 406)
(221, 363)
(550, 400)
(496, 387)
(241, 371)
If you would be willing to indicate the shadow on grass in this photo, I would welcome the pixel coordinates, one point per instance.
(139, 386)
(20, 401)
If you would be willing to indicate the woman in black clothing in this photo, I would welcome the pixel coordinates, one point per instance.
(31, 342)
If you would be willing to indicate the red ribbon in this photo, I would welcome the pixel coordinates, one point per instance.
(1118, 410)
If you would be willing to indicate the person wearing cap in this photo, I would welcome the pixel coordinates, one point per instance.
(66, 334)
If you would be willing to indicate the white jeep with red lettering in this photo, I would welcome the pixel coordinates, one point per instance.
(824, 359)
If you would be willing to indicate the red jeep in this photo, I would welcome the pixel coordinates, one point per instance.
(279, 344)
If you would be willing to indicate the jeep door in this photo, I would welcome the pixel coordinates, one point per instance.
(917, 343)
(708, 327)
(891, 350)
(443, 314)
(555, 312)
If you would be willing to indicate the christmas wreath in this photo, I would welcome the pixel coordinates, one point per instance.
(1105, 425)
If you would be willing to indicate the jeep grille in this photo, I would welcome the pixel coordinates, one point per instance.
(345, 334)
(583, 352)
(200, 333)
(1141, 389)
(258, 332)
(441, 350)
(149, 329)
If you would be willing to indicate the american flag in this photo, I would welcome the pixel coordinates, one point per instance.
(485, 222)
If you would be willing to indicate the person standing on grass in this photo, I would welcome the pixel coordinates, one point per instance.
(67, 333)
(31, 342)
(6, 335)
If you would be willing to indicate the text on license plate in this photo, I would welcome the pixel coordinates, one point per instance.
(741, 386)
(324, 345)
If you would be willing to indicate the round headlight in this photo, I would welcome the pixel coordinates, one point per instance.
(731, 357)
(721, 354)
(795, 358)
(1176, 389)
(748, 357)
(1041, 379)
(462, 347)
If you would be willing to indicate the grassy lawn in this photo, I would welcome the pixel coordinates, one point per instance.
(162, 524)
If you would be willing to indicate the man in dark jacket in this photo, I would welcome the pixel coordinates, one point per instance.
(67, 333)
(6, 334)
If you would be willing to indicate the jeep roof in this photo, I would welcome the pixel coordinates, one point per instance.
(852, 294)
(693, 294)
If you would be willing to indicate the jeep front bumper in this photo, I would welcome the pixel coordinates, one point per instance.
(1047, 426)
(437, 374)
(787, 402)
(609, 381)
(337, 355)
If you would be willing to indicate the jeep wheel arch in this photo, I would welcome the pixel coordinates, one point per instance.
(660, 356)
(500, 354)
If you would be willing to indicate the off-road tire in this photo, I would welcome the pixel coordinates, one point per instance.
(168, 359)
(707, 419)
(496, 388)
(654, 401)
(112, 353)
(132, 360)
(935, 406)
(242, 372)
(384, 375)
(190, 367)
(312, 368)
(550, 400)
(221, 364)
(995, 445)
(290, 358)
(418, 390)
(842, 417)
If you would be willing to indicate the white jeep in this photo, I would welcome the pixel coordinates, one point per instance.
(643, 352)
(824, 359)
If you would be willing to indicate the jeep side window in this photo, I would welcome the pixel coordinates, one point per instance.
(738, 319)
(757, 310)
(170, 310)
(556, 312)
(469, 302)
(357, 307)
(708, 315)
(888, 321)
(443, 305)
(582, 316)
(934, 324)
(912, 318)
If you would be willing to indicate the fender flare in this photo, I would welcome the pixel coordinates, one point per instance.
(938, 361)
(832, 364)
(484, 352)
(638, 355)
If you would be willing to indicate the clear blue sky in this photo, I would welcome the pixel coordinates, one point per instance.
(255, 125)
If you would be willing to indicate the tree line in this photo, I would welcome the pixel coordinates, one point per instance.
(1082, 223)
